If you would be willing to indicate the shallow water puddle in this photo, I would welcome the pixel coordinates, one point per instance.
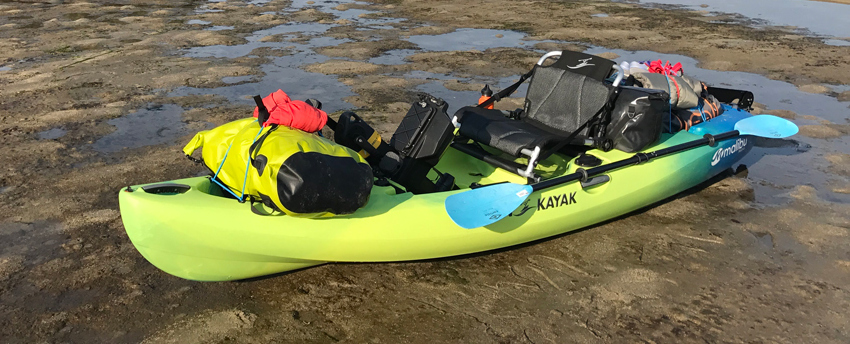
(35, 242)
(467, 39)
(288, 30)
(51, 134)
(219, 28)
(393, 57)
(837, 42)
(150, 126)
(206, 10)
(281, 74)
(255, 2)
(820, 18)
(284, 72)
(236, 79)
(360, 16)
(842, 88)
(764, 238)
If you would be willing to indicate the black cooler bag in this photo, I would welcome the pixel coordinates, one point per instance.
(415, 148)
(637, 118)
(421, 139)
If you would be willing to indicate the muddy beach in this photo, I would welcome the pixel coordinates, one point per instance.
(95, 96)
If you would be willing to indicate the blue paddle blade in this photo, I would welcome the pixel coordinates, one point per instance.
(485, 205)
(766, 126)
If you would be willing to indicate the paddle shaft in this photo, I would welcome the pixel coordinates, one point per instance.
(636, 159)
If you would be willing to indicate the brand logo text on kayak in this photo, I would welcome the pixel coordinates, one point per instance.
(524, 208)
(556, 201)
(724, 152)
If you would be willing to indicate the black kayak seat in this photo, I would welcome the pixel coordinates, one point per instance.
(493, 128)
(561, 97)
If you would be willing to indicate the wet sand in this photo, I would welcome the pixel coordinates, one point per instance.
(95, 96)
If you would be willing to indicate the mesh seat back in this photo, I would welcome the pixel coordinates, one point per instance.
(563, 100)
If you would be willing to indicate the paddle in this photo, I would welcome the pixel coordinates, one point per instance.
(485, 205)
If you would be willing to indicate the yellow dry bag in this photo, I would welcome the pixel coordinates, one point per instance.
(289, 170)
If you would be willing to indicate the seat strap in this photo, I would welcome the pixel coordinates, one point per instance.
(607, 108)
(508, 90)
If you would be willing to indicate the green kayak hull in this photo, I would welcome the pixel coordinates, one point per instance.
(199, 234)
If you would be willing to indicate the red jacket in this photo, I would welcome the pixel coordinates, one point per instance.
(293, 113)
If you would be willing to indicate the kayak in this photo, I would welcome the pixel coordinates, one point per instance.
(190, 228)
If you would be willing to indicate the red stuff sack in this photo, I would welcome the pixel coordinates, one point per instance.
(292, 113)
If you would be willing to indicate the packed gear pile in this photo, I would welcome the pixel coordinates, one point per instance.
(285, 168)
